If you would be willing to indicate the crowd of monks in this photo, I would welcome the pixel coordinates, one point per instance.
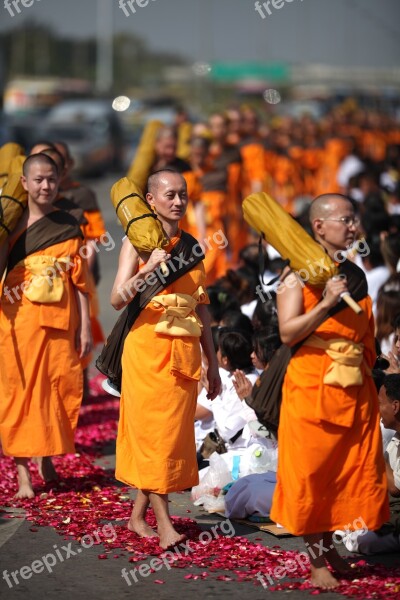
(234, 153)
(223, 160)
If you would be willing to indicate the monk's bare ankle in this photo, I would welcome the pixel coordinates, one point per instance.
(322, 578)
(140, 527)
(169, 537)
(25, 489)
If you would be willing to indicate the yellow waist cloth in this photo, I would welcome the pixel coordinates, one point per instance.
(179, 317)
(46, 284)
(347, 357)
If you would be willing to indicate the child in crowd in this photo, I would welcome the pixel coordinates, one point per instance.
(230, 413)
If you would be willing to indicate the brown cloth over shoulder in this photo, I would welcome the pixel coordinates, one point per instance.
(266, 396)
(109, 361)
(42, 234)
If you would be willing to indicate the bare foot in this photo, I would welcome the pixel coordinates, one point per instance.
(170, 538)
(321, 577)
(46, 469)
(141, 528)
(25, 489)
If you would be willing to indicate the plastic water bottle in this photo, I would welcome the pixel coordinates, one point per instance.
(259, 460)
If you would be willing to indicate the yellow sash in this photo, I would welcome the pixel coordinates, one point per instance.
(46, 285)
(179, 317)
(347, 357)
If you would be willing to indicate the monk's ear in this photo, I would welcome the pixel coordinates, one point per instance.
(24, 183)
(225, 362)
(318, 226)
(150, 199)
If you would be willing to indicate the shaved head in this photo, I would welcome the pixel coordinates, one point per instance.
(155, 178)
(323, 206)
(36, 159)
(165, 133)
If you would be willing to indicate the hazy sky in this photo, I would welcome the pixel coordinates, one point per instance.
(339, 32)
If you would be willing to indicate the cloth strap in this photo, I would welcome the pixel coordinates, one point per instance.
(179, 317)
(347, 357)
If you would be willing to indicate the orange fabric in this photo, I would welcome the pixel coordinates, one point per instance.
(155, 444)
(215, 205)
(95, 226)
(253, 156)
(285, 182)
(215, 262)
(40, 373)
(188, 222)
(373, 143)
(330, 469)
(237, 229)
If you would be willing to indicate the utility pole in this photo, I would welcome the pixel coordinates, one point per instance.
(105, 54)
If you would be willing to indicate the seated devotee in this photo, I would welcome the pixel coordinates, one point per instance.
(235, 320)
(230, 413)
(387, 538)
(394, 355)
(387, 308)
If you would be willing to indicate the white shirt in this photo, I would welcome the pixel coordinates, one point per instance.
(204, 426)
(376, 277)
(348, 168)
(387, 344)
(230, 413)
(392, 456)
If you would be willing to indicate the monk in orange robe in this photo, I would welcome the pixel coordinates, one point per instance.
(44, 328)
(331, 472)
(221, 196)
(161, 365)
(94, 228)
(194, 221)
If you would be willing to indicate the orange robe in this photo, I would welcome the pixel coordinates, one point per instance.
(155, 445)
(41, 381)
(215, 262)
(331, 470)
(86, 199)
(188, 222)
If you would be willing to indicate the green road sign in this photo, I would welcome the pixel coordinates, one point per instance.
(232, 71)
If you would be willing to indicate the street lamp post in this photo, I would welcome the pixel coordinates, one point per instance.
(105, 54)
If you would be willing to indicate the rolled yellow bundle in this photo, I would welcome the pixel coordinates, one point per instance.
(145, 156)
(184, 135)
(13, 200)
(7, 153)
(292, 242)
(140, 223)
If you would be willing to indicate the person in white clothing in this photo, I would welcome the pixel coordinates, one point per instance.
(230, 413)
(387, 538)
